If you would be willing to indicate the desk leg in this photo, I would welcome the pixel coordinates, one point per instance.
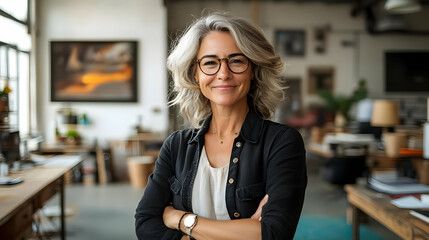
(63, 225)
(355, 222)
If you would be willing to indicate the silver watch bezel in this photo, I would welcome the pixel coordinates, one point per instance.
(189, 222)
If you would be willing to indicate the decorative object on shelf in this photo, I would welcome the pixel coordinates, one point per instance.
(94, 71)
(84, 119)
(341, 105)
(67, 124)
(4, 103)
(320, 36)
(138, 128)
(72, 137)
(393, 142)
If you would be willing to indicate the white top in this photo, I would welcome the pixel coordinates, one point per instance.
(208, 193)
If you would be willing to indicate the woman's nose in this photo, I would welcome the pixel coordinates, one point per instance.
(224, 72)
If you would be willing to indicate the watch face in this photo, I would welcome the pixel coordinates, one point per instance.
(189, 220)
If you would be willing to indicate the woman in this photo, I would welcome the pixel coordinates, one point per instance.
(237, 175)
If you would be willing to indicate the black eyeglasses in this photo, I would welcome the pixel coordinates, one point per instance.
(210, 65)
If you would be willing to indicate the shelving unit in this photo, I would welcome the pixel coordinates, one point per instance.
(9, 75)
(9, 102)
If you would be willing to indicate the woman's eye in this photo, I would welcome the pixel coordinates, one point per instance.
(209, 63)
(235, 61)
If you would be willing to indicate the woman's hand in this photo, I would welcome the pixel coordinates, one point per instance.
(171, 217)
(258, 214)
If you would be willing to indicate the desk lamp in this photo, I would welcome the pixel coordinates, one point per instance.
(385, 114)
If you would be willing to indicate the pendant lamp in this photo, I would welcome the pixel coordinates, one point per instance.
(402, 6)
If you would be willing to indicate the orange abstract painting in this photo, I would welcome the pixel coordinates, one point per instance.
(89, 71)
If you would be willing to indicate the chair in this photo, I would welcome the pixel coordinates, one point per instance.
(345, 169)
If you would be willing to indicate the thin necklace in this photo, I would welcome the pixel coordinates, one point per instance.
(220, 140)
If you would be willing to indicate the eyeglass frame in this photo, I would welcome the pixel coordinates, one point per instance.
(198, 61)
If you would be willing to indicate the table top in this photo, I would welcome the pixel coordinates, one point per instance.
(82, 148)
(34, 180)
(378, 206)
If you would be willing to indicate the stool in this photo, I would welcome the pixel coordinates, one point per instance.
(139, 169)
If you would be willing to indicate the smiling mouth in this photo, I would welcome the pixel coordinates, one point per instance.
(224, 87)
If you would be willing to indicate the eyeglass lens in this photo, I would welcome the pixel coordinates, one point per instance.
(236, 64)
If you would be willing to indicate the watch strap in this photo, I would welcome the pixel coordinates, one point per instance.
(180, 220)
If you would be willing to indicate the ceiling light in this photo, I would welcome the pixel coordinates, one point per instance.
(402, 6)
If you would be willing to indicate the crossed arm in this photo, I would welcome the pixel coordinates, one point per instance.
(249, 228)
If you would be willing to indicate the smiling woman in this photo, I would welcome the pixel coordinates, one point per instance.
(235, 170)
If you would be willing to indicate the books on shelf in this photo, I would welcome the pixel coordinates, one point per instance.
(422, 214)
(397, 185)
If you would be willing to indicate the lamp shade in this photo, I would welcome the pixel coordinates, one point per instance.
(402, 6)
(385, 113)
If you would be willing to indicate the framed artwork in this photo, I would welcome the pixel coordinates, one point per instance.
(290, 42)
(320, 78)
(93, 71)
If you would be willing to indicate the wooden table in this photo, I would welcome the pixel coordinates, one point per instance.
(379, 161)
(378, 206)
(95, 151)
(19, 202)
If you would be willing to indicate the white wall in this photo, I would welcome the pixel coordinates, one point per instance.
(142, 20)
(350, 63)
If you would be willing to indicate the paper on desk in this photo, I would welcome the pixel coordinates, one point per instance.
(63, 161)
(411, 202)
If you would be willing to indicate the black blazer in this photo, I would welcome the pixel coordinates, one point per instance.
(267, 157)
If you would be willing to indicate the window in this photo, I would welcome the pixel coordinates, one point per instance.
(15, 48)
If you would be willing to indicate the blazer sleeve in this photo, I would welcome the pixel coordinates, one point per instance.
(157, 195)
(286, 183)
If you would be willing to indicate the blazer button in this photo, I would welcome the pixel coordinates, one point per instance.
(231, 180)
(235, 160)
(236, 214)
(238, 144)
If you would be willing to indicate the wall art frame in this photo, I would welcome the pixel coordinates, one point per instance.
(94, 71)
(320, 78)
(290, 42)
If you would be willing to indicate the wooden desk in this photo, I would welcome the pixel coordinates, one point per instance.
(379, 161)
(378, 206)
(96, 152)
(19, 202)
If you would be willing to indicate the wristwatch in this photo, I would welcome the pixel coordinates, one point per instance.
(189, 222)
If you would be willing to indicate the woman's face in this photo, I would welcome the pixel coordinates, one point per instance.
(223, 88)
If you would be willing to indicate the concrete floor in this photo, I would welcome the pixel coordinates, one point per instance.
(107, 212)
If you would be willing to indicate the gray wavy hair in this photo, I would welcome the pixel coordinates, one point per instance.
(266, 88)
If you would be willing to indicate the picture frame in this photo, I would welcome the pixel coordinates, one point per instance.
(320, 78)
(290, 42)
(93, 71)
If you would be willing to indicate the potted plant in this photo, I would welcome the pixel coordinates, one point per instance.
(4, 96)
(341, 105)
(72, 137)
